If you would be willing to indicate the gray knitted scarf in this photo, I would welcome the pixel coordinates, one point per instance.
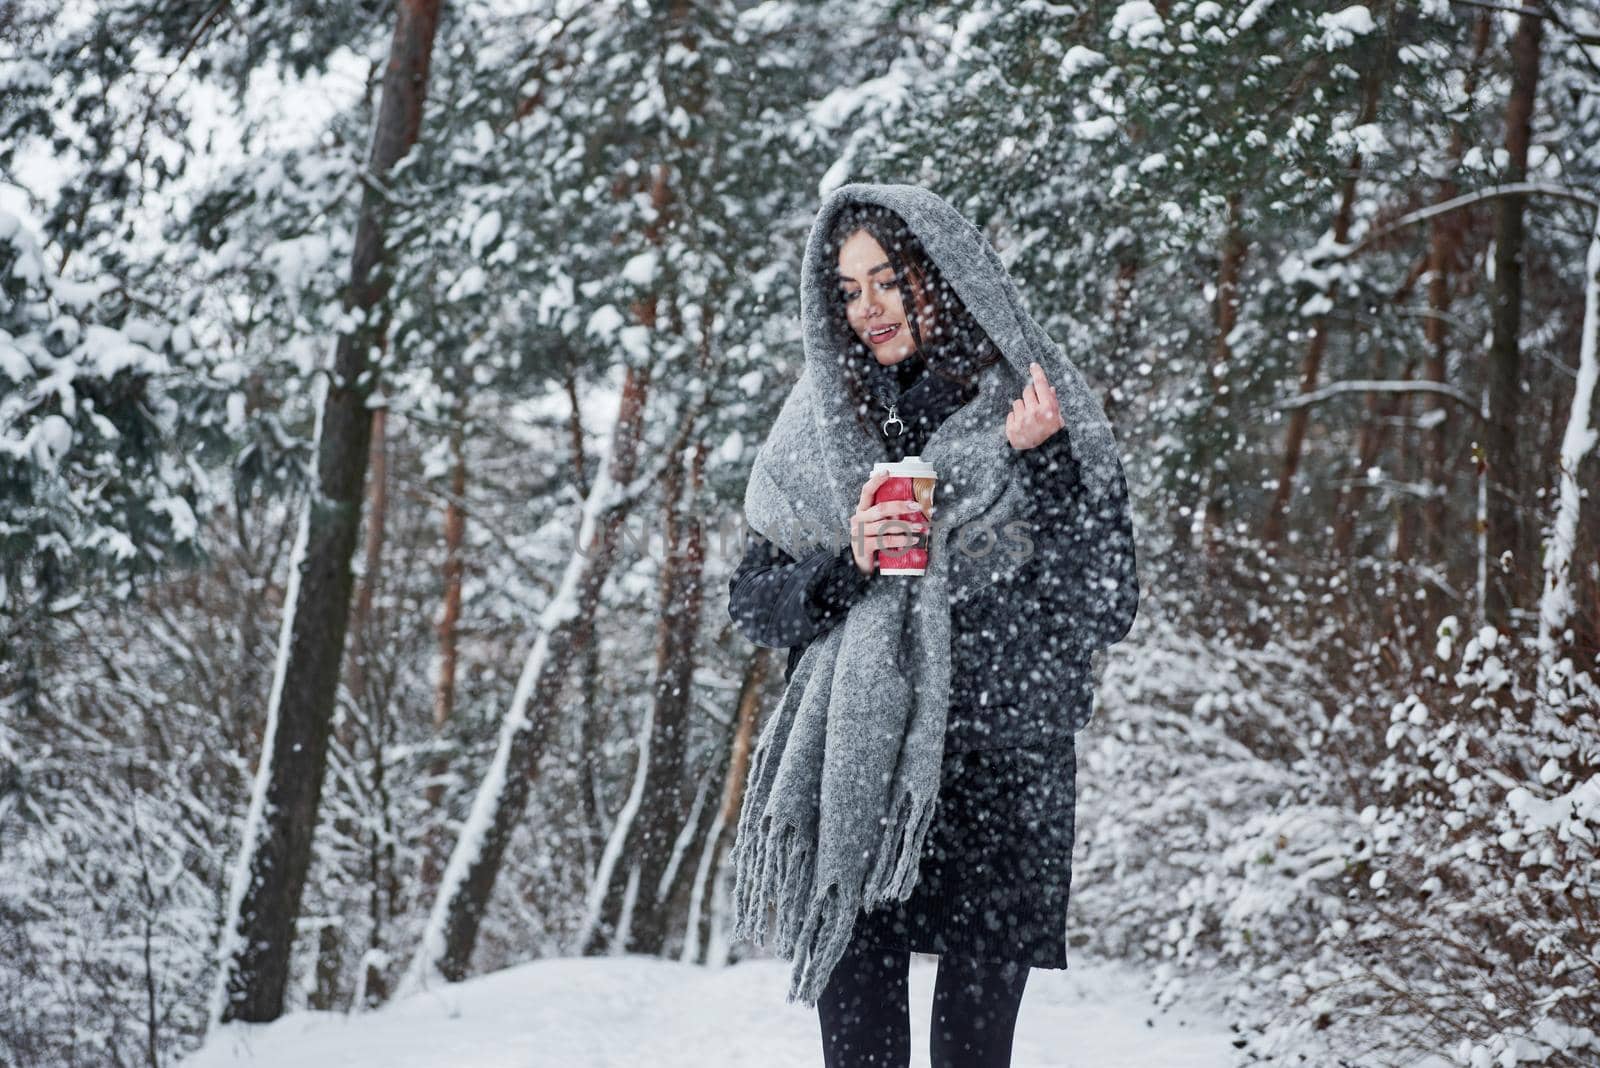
(846, 772)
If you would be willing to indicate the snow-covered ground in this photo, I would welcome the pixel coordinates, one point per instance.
(589, 1012)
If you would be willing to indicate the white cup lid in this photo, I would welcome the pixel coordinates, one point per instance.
(910, 467)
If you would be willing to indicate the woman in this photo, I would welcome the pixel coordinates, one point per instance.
(915, 789)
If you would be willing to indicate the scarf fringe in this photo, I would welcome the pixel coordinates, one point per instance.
(814, 924)
(894, 873)
(830, 921)
(775, 865)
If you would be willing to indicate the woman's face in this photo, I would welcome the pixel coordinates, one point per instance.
(872, 303)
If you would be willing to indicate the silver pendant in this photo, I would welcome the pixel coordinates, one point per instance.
(895, 419)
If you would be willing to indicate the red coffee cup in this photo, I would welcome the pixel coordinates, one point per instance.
(909, 480)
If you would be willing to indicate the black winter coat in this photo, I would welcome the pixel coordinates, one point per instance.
(1020, 644)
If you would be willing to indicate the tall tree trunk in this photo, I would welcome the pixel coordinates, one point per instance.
(666, 806)
(455, 531)
(1311, 364)
(452, 929)
(264, 902)
(591, 726)
(1405, 519)
(382, 875)
(1505, 350)
(372, 551)
(1445, 240)
(678, 881)
(444, 691)
(1229, 266)
(1556, 602)
(697, 937)
(384, 890)
(330, 937)
(651, 834)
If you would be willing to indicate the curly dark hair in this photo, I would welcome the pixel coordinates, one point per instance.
(958, 347)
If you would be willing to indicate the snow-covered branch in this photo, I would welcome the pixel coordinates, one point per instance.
(1378, 385)
(1334, 250)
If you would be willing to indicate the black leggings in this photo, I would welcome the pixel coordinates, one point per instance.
(866, 1020)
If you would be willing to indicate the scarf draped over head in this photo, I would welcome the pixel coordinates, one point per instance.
(844, 779)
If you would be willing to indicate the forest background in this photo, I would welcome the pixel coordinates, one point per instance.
(380, 383)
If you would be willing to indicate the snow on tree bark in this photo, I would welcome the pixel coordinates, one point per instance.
(655, 815)
(697, 941)
(447, 940)
(1556, 603)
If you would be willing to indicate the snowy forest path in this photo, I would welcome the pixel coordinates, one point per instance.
(599, 1012)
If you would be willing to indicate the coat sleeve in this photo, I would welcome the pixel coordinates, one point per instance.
(1091, 577)
(779, 602)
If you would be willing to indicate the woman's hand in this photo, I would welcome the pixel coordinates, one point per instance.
(1036, 416)
(877, 526)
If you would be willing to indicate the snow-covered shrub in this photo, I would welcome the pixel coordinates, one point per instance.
(1475, 912)
(106, 910)
(1409, 870)
(1208, 836)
